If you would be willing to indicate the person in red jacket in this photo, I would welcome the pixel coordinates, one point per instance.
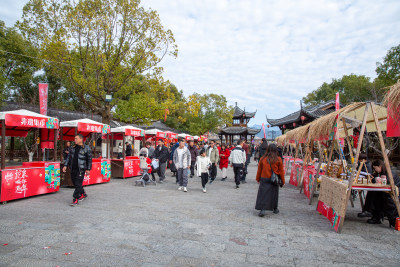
(224, 154)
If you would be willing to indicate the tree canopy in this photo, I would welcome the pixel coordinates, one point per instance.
(98, 47)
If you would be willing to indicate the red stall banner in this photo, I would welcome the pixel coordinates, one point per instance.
(26, 182)
(131, 168)
(330, 214)
(134, 132)
(160, 135)
(393, 126)
(43, 95)
(31, 122)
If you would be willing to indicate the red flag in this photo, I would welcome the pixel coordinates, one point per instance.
(43, 93)
(264, 131)
(337, 103)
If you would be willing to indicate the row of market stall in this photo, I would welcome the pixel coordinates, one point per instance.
(322, 158)
(42, 177)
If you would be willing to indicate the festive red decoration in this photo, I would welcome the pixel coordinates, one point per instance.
(294, 124)
(284, 126)
(303, 118)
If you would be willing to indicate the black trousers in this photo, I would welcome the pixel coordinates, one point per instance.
(383, 206)
(213, 171)
(204, 179)
(193, 163)
(245, 169)
(77, 179)
(238, 171)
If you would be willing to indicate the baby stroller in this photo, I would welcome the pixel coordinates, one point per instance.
(145, 168)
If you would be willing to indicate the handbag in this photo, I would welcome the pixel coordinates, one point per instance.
(275, 179)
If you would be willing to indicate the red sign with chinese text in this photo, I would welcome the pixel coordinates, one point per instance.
(25, 182)
(43, 93)
(134, 132)
(160, 135)
(31, 122)
(88, 127)
(131, 168)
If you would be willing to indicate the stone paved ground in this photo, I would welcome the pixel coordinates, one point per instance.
(123, 225)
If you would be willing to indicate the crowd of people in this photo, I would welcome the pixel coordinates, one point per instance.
(204, 159)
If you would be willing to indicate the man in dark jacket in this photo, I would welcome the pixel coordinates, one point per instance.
(246, 148)
(79, 160)
(171, 162)
(161, 154)
(128, 150)
(193, 156)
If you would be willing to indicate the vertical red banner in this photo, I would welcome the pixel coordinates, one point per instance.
(264, 130)
(43, 95)
(337, 102)
(393, 126)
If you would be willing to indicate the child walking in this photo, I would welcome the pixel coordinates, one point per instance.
(203, 165)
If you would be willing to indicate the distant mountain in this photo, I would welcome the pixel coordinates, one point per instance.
(270, 133)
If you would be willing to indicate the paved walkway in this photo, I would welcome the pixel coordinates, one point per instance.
(123, 225)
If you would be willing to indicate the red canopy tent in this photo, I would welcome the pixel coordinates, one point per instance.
(155, 135)
(127, 166)
(101, 168)
(32, 178)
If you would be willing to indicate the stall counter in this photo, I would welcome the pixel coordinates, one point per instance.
(30, 179)
(125, 168)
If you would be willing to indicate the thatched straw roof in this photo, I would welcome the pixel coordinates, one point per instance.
(299, 134)
(281, 139)
(323, 126)
(392, 98)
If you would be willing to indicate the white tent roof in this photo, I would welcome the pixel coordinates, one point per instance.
(196, 137)
(74, 123)
(183, 135)
(152, 131)
(22, 112)
(123, 128)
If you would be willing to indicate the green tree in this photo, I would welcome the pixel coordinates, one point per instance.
(150, 101)
(201, 113)
(98, 47)
(352, 88)
(18, 62)
(389, 71)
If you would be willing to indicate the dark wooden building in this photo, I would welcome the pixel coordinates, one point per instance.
(303, 116)
(239, 128)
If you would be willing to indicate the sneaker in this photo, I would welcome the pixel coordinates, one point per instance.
(82, 197)
(191, 176)
(184, 189)
(374, 221)
(276, 211)
(244, 182)
(211, 181)
(223, 179)
(204, 190)
(237, 187)
(364, 214)
(180, 188)
(262, 213)
(75, 202)
(160, 182)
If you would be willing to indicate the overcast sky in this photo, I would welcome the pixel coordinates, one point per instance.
(266, 55)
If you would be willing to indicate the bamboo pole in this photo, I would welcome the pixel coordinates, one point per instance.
(364, 124)
(386, 159)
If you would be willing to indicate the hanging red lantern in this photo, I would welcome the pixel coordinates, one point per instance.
(284, 126)
(267, 126)
(294, 124)
(303, 118)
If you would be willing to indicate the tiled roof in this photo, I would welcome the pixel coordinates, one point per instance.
(313, 112)
(239, 113)
(239, 130)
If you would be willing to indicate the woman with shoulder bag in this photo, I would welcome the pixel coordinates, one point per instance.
(270, 175)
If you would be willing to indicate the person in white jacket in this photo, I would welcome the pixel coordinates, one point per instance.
(203, 164)
(238, 160)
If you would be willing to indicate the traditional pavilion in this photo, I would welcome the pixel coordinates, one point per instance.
(303, 116)
(239, 127)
